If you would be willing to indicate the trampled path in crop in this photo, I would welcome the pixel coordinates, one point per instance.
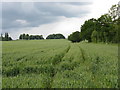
(62, 59)
(73, 52)
(59, 64)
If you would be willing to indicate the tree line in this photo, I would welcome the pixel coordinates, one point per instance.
(38, 37)
(104, 29)
(6, 37)
(30, 37)
(55, 36)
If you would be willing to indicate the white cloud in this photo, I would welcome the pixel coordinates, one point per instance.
(45, 0)
(101, 7)
(22, 22)
(64, 26)
(39, 13)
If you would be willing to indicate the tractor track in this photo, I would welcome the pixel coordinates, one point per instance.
(54, 65)
(82, 53)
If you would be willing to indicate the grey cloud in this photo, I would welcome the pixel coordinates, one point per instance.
(79, 3)
(62, 9)
(39, 13)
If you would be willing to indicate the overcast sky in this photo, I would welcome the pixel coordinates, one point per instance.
(44, 18)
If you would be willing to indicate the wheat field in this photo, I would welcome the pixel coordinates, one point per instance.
(59, 64)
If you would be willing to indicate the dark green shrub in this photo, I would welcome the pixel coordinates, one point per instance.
(11, 72)
(74, 37)
(55, 36)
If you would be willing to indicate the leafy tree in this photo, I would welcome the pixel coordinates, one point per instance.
(24, 36)
(6, 37)
(1, 37)
(21, 36)
(87, 29)
(114, 12)
(55, 36)
(9, 39)
(104, 29)
(27, 36)
(52, 36)
(30, 37)
(41, 37)
(74, 37)
(94, 36)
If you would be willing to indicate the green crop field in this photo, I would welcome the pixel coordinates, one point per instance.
(59, 64)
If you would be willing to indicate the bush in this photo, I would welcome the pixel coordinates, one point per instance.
(74, 37)
(55, 36)
(94, 36)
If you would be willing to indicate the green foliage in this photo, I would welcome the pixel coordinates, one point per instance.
(106, 27)
(27, 36)
(74, 37)
(87, 29)
(55, 36)
(114, 12)
(30, 37)
(6, 38)
(94, 36)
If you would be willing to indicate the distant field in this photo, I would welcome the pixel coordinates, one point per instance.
(59, 64)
